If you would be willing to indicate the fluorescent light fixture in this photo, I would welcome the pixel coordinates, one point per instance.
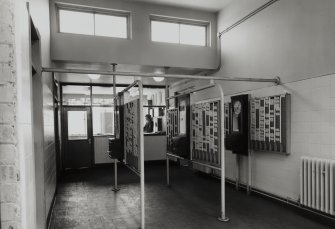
(94, 76)
(158, 79)
(159, 71)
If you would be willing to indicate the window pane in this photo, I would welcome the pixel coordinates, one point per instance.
(110, 26)
(154, 97)
(104, 95)
(76, 95)
(164, 32)
(193, 35)
(103, 120)
(76, 22)
(77, 125)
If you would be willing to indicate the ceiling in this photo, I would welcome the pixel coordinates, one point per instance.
(208, 5)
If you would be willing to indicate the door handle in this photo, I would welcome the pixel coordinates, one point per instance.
(89, 141)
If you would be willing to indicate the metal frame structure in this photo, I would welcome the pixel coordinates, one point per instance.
(141, 173)
(222, 216)
(115, 188)
(275, 80)
(138, 83)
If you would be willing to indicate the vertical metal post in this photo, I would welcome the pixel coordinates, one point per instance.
(115, 188)
(167, 171)
(140, 86)
(237, 171)
(167, 157)
(249, 173)
(223, 216)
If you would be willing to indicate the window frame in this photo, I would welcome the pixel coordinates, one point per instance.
(183, 21)
(94, 11)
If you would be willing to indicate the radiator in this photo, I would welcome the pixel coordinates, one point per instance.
(317, 180)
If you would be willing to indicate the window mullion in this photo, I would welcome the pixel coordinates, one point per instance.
(179, 32)
(94, 24)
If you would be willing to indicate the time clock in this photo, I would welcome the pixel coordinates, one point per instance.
(237, 107)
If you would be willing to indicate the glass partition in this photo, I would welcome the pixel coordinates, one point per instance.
(103, 121)
(154, 96)
(77, 125)
(102, 96)
(77, 95)
(100, 99)
(157, 115)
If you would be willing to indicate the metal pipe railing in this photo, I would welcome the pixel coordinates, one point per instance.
(141, 124)
(191, 91)
(173, 76)
(223, 216)
(115, 188)
(193, 161)
(132, 169)
(253, 13)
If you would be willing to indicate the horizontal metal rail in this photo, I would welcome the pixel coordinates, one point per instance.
(132, 169)
(191, 91)
(253, 13)
(175, 156)
(194, 162)
(173, 76)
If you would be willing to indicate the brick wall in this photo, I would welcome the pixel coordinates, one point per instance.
(9, 166)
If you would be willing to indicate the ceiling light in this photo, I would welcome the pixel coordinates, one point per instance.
(158, 79)
(94, 76)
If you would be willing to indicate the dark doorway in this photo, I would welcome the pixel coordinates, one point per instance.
(77, 137)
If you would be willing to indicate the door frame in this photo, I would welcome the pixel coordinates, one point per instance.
(89, 133)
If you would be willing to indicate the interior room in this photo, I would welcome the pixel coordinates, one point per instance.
(167, 114)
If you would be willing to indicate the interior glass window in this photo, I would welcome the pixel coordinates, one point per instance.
(76, 22)
(178, 32)
(164, 32)
(103, 120)
(193, 35)
(76, 95)
(77, 125)
(110, 26)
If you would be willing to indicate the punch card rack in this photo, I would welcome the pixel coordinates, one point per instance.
(172, 126)
(270, 124)
(131, 127)
(205, 124)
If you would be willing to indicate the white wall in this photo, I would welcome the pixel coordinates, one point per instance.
(313, 131)
(139, 50)
(296, 41)
(39, 10)
(24, 118)
(37, 151)
(290, 39)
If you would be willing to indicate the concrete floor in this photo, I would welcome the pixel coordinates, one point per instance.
(85, 200)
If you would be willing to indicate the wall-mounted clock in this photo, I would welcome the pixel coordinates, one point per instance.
(237, 140)
(237, 107)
